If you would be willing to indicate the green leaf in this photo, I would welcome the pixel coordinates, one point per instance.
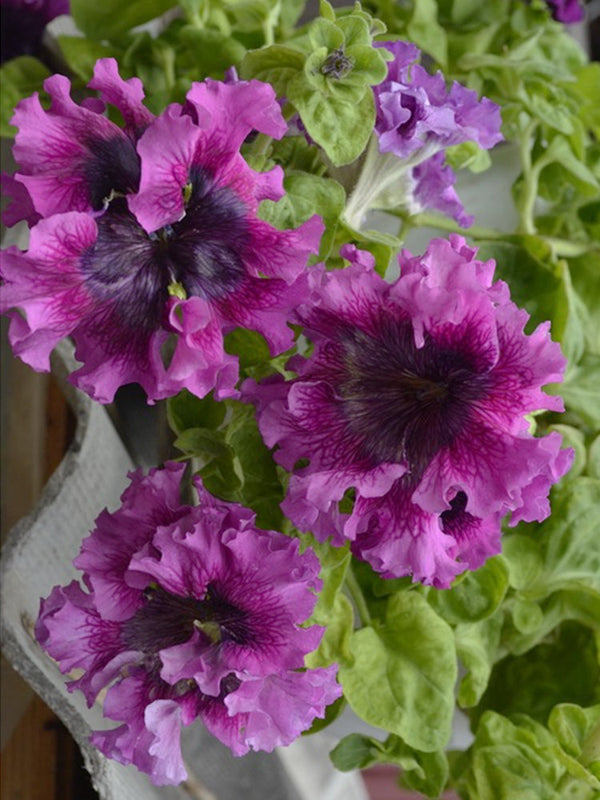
(425, 31)
(577, 731)
(568, 542)
(559, 154)
(305, 196)
(110, 18)
(581, 390)
(424, 772)
(509, 761)
(340, 127)
(202, 442)
(477, 645)
(20, 77)
(475, 597)
(468, 155)
(355, 751)
(81, 54)
(588, 90)
(593, 467)
(403, 674)
(185, 410)
(561, 669)
(584, 274)
(249, 346)
(334, 647)
(276, 65)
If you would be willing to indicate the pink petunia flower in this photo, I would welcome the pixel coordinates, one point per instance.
(153, 249)
(411, 409)
(189, 612)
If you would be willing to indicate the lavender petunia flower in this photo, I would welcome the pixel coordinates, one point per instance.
(189, 612)
(434, 188)
(566, 11)
(417, 118)
(154, 249)
(412, 409)
(22, 24)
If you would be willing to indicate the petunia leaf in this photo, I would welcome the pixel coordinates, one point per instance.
(403, 674)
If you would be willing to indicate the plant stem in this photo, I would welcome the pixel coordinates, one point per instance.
(530, 177)
(358, 597)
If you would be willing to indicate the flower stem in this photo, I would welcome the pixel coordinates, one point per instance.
(358, 598)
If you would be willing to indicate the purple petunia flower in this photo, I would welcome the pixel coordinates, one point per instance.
(190, 612)
(150, 249)
(566, 11)
(417, 118)
(22, 24)
(411, 414)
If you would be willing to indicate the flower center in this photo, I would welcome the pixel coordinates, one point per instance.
(337, 65)
(406, 403)
(166, 620)
(417, 112)
(112, 169)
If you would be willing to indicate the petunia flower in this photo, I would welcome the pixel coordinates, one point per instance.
(22, 25)
(405, 430)
(418, 117)
(566, 11)
(153, 250)
(189, 612)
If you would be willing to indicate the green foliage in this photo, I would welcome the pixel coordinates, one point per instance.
(19, 78)
(232, 459)
(403, 672)
(305, 196)
(424, 772)
(111, 18)
(564, 668)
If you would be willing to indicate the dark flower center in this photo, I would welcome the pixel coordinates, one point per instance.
(456, 520)
(406, 403)
(417, 112)
(128, 272)
(166, 620)
(337, 65)
(113, 168)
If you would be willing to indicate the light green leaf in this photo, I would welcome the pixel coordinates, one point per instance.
(111, 18)
(403, 674)
(276, 65)
(305, 196)
(424, 772)
(340, 127)
(510, 761)
(19, 78)
(468, 155)
(477, 647)
(581, 390)
(577, 731)
(81, 54)
(475, 597)
(335, 646)
(424, 30)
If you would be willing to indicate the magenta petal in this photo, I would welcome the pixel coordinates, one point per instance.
(279, 708)
(410, 413)
(126, 95)
(167, 150)
(47, 284)
(238, 108)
